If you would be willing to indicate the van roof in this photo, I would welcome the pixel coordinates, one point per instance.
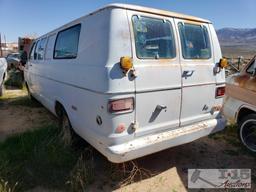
(155, 11)
(136, 8)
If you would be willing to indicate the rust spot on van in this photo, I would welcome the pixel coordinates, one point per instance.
(164, 13)
(124, 34)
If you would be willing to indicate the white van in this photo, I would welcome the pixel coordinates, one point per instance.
(131, 80)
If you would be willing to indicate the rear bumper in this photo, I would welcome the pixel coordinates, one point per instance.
(153, 143)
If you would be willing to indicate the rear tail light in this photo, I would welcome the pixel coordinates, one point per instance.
(121, 105)
(220, 92)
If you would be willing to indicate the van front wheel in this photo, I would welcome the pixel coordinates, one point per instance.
(247, 131)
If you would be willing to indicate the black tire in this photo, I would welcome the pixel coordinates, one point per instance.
(66, 128)
(68, 135)
(247, 131)
(30, 96)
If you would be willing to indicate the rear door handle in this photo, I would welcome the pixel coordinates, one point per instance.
(187, 73)
(160, 107)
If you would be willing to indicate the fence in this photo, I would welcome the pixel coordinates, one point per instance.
(236, 64)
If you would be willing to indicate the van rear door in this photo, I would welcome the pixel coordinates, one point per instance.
(158, 81)
(197, 64)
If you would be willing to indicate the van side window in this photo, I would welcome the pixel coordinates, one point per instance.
(31, 53)
(154, 38)
(41, 48)
(194, 41)
(66, 46)
(36, 50)
(49, 47)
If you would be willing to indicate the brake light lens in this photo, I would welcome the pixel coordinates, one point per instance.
(121, 105)
(220, 92)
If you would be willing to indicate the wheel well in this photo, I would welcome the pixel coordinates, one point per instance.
(26, 84)
(244, 112)
(58, 108)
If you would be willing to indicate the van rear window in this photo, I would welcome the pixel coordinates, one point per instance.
(194, 41)
(154, 38)
(66, 46)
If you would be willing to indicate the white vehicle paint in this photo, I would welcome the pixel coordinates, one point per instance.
(3, 73)
(170, 100)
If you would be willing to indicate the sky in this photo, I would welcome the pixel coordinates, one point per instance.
(37, 17)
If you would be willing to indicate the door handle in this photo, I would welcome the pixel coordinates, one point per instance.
(187, 73)
(160, 107)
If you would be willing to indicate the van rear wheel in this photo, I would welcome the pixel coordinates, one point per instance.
(30, 96)
(247, 132)
(1, 89)
(66, 128)
(68, 135)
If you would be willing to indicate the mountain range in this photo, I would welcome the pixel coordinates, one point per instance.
(234, 35)
(237, 41)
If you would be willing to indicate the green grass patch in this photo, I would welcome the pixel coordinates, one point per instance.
(15, 79)
(37, 158)
(231, 152)
(5, 187)
(230, 135)
(24, 101)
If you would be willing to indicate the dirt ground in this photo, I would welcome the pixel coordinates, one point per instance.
(16, 117)
(167, 170)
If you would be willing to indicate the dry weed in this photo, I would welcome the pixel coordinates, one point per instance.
(83, 172)
(130, 172)
(5, 187)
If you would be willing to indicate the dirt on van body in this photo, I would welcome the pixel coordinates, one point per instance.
(163, 171)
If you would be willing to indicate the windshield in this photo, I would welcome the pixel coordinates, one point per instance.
(15, 56)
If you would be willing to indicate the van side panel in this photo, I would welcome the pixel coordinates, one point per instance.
(105, 78)
(119, 46)
(85, 85)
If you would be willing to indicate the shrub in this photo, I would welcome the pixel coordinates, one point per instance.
(15, 79)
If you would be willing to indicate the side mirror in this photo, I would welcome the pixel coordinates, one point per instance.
(223, 63)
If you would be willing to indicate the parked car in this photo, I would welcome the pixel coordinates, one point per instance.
(240, 103)
(3, 73)
(131, 80)
(13, 60)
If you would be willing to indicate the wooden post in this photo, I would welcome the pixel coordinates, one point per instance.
(238, 63)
